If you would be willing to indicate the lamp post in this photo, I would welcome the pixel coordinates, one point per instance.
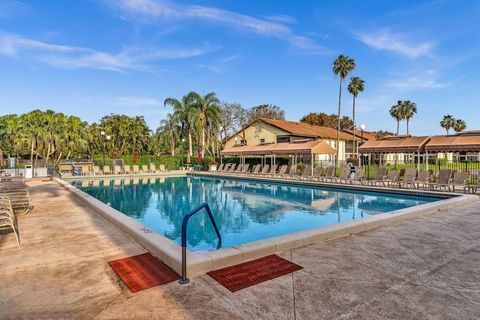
(188, 155)
(105, 139)
(362, 127)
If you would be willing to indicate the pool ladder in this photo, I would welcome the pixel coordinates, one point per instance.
(184, 279)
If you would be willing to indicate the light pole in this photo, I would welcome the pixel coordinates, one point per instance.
(188, 154)
(362, 127)
(105, 139)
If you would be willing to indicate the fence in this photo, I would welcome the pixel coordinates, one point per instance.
(37, 172)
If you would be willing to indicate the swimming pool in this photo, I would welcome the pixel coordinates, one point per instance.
(245, 211)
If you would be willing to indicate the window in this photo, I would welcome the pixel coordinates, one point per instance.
(262, 141)
(243, 142)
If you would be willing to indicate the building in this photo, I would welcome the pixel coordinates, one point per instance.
(269, 131)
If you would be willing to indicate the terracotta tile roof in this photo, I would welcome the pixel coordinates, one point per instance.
(392, 144)
(317, 147)
(465, 141)
(308, 130)
(367, 135)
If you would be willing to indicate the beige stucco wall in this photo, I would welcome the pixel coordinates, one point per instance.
(253, 134)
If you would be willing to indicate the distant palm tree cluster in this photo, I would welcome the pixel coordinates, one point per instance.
(449, 122)
(403, 110)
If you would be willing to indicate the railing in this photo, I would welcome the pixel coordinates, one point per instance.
(184, 279)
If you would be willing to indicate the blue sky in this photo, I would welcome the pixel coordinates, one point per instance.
(95, 57)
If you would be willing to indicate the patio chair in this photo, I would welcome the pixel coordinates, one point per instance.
(220, 168)
(318, 172)
(117, 170)
(357, 177)
(96, 170)
(391, 178)
(380, 176)
(443, 181)
(306, 173)
(152, 168)
(292, 172)
(281, 171)
(473, 188)
(127, 169)
(136, 169)
(20, 200)
(422, 180)
(227, 167)
(232, 168)
(329, 174)
(460, 179)
(345, 175)
(272, 171)
(8, 218)
(106, 170)
(145, 168)
(246, 168)
(266, 170)
(408, 178)
(256, 169)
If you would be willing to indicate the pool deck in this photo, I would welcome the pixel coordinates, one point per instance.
(426, 268)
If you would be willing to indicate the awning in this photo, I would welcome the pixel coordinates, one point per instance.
(309, 147)
(456, 143)
(395, 144)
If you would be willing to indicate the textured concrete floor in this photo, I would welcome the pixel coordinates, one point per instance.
(427, 268)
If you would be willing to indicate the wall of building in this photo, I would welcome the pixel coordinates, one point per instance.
(254, 133)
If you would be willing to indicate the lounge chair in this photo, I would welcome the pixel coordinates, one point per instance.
(256, 169)
(391, 178)
(96, 170)
(106, 170)
(345, 175)
(117, 170)
(460, 179)
(8, 218)
(246, 168)
(145, 169)
(266, 170)
(136, 169)
(329, 174)
(20, 199)
(292, 172)
(380, 176)
(443, 181)
(152, 168)
(358, 176)
(220, 168)
(306, 173)
(422, 180)
(232, 168)
(281, 171)
(473, 188)
(127, 169)
(408, 178)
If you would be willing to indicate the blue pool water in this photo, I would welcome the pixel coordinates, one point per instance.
(245, 211)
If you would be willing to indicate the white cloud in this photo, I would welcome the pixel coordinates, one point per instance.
(384, 39)
(414, 83)
(70, 57)
(135, 102)
(276, 26)
(11, 8)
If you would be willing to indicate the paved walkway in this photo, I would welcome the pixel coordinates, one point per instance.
(428, 268)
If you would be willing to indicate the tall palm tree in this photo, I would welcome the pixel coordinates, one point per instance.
(208, 112)
(409, 109)
(447, 122)
(187, 114)
(397, 114)
(342, 66)
(459, 125)
(168, 130)
(355, 86)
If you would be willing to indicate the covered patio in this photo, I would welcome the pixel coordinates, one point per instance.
(304, 152)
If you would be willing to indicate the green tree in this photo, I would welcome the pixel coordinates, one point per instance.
(409, 109)
(397, 113)
(168, 132)
(355, 86)
(208, 114)
(268, 111)
(325, 120)
(460, 125)
(342, 66)
(448, 122)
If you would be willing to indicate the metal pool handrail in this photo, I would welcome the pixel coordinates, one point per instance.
(184, 279)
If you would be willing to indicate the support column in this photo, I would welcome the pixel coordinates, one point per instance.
(426, 161)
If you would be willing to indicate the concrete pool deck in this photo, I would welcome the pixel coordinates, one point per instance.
(426, 268)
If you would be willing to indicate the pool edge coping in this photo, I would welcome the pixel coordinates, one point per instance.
(202, 262)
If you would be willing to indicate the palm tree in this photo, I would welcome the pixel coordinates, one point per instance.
(397, 114)
(185, 111)
(447, 122)
(459, 125)
(168, 130)
(355, 86)
(409, 109)
(342, 66)
(208, 112)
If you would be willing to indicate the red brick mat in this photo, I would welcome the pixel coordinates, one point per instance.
(143, 271)
(249, 273)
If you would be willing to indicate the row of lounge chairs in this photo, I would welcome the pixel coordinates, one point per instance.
(14, 199)
(126, 169)
(445, 180)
